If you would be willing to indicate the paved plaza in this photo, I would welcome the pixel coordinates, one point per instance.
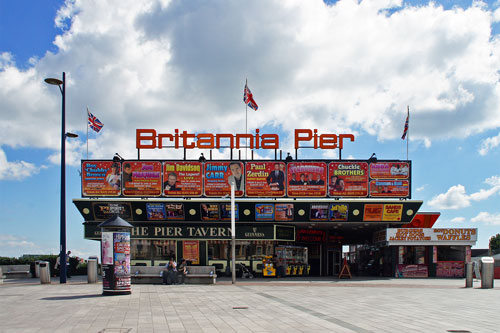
(287, 305)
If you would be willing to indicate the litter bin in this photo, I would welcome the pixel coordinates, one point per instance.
(468, 275)
(37, 268)
(92, 270)
(487, 272)
(44, 272)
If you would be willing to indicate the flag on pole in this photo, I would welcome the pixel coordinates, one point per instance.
(405, 131)
(248, 98)
(94, 123)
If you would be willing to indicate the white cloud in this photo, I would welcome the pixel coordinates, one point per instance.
(458, 219)
(421, 188)
(348, 67)
(488, 144)
(17, 170)
(487, 218)
(456, 196)
(14, 246)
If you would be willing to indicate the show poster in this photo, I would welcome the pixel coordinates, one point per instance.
(389, 188)
(209, 212)
(373, 212)
(191, 252)
(141, 179)
(107, 248)
(319, 212)
(265, 179)
(389, 170)
(175, 211)
(392, 212)
(182, 179)
(283, 212)
(348, 179)
(219, 175)
(101, 179)
(106, 210)
(155, 212)
(338, 212)
(225, 212)
(121, 242)
(264, 212)
(307, 179)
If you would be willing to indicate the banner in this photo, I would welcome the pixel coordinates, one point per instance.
(265, 179)
(182, 179)
(101, 178)
(389, 188)
(264, 212)
(338, 212)
(218, 176)
(429, 235)
(141, 179)
(283, 212)
(348, 179)
(389, 170)
(191, 252)
(451, 269)
(307, 179)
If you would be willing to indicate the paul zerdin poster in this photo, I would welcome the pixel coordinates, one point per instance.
(265, 179)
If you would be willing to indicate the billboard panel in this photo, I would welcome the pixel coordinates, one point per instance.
(182, 179)
(141, 179)
(348, 179)
(338, 212)
(101, 179)
(265, 179)
(283, 212)
(307, 179)
(218, 176)
(389, 170)
(389, 188)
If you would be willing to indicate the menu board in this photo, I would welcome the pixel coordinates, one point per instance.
(319, 212)
(264, 212)
(389, 170)
(101, 178)
(182, 179)
(389, 188)
(338, 212)
(209, 212)
(219, 175)
(265, 179)
(348, 179)
(307, 179)
(283, 212)
(141, 179)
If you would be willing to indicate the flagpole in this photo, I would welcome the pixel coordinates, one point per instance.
(408, 132)
(87, 125)
(246, 124)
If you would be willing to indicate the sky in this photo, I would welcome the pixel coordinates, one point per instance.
(337, 66)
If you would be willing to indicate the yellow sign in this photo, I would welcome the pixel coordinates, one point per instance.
(392, 212)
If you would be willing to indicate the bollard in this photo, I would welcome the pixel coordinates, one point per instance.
(37, 268)
(468, 275)
(44, 272)
(92, 271)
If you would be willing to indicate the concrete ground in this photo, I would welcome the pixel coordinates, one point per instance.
(259, 305)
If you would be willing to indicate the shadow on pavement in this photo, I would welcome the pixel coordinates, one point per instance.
(70, 297)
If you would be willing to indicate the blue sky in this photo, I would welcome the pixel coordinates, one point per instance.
(349, 67)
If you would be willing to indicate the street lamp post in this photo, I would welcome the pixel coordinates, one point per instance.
(62, 245)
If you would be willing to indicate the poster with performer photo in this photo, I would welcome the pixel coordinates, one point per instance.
(389, 170)
(155, 212)
(348, 179)
(219, 175)
(225, 212)
(182, 179)
(307, 179)
(121, 241)
(338, 212)
(389, 188)
(175, 211)
(209, 212)
(265, 179)
(264, 212)
(101, 179)
(141, 179)
(318, 212)
(283, 212)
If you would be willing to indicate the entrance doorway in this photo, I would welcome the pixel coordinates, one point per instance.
(333, 263)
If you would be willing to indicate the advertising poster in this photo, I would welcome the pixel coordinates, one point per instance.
(156, 212)
(209, 212)
(319, 212)
(264, 212)
(389, 170)
(373, 212)
(225, 212)
(307, 179)
(265, 179)
(338, 212)
(191, 252)
(121, 241)
(182, 179)
(218, 176)
(141, 179)
(107, 248)
(389, 188)
(414, 271)
(392, 212)
(104, 211)
(348, 179)
(101, 179)
(175, 211)
(452, 269)
(283, 212)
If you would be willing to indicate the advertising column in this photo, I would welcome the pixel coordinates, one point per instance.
(115, 252)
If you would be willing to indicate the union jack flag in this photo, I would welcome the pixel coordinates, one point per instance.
(405, 131)
(248, 98)
(94, 123)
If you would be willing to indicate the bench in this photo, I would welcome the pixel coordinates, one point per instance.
(146, 274)
(200, 274)
(16, 271)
